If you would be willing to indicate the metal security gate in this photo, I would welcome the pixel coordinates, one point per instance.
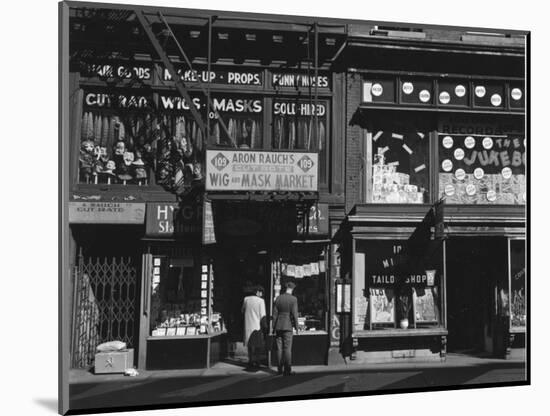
(106, 293)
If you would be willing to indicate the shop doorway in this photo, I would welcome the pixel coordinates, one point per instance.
(475, 268)
(239, 267)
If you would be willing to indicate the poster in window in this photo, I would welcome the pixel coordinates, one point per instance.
(424, 305)
(382, 306)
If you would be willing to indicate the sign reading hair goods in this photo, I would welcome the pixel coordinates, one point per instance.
(119, 71)
(217, 76)
(299, 80)
(240, 170)
(106, 213)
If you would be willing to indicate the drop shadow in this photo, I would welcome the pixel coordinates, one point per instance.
(49, 404)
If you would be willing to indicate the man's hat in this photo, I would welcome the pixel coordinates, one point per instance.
(290, 285)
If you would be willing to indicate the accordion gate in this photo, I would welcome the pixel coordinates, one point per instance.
(105, 295)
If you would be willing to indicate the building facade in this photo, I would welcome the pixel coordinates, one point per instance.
(212, 152)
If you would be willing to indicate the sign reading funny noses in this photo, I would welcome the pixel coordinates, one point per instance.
(241, 170)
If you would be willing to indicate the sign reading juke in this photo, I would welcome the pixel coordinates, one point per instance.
(243, 170)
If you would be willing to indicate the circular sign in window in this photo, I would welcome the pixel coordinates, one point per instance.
(516, 94)
(480, 91)
(447, 165)
(460, 174)
(444, 97)
(459, 154)
(496, 100)
(491, 196)
(470, 189)
(506, 173)
(460, 90)
(448, 142)
(449, 190)
(424, 96)
(487, 143)
(377, 90)
(469, 142)
(408, 88)
(478, 173)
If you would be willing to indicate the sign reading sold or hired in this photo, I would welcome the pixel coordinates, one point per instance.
(241, 170)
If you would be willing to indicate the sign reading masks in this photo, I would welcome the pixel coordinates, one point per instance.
(239, 170)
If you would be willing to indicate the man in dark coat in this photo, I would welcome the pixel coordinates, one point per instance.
(285, 317)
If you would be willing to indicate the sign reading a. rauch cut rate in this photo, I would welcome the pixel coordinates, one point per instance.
(243, 170)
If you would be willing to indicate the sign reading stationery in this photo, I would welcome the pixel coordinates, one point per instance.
(242, 170)
(106, 212)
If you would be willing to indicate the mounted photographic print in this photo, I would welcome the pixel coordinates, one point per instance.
(264, 207)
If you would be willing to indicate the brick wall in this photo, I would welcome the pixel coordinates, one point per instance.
(354, 147)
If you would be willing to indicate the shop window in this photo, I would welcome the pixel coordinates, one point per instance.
(397, 167)
(390, 296)
(295, 128)
(305, 265)
(518, 315)
(180, 294)
(237, 122)
(477, 169)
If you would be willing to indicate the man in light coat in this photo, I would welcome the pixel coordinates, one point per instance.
(254, 316)
(285, 317)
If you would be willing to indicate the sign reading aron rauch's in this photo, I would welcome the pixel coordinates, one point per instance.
(242, 170)
(106, 212)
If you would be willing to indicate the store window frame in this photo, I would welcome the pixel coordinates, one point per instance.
(517, 328)
(434, 328)
(367, 176)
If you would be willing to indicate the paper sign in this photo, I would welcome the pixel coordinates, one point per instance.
(470, 189)
(408, 88)
(487, 143)
(478, 173)
(480, 91)
(444, 97)
(377, 90)
(496, 100)
(204, 303)
(291, 270)
(170, 331)
(299, 272)
(156, 261)
(469, 142)
(204, 285)
(424, 96)
(516, 94)
(447, 165)
(204, 294)
(205, 268)
(460, 174)
(448, 142)
(377, 135)
(459, 154)
(322, 266)
(460, 91)
(314, 268)
(307, 270)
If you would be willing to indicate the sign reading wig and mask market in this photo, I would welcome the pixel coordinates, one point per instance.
(243, 170)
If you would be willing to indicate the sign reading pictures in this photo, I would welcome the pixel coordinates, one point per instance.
(106, 213)
(240, 170)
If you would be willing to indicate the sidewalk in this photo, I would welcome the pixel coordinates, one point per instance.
(77, 376)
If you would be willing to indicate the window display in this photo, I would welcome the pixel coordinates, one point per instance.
(398, 169)
(306, 267)
(394, 294)
(517, 283)
(294, 128)
(478, 169)
(179, 302)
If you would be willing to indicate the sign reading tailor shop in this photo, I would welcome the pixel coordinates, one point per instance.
(240, 170)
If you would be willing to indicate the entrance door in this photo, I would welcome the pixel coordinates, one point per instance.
(239, 268)
(475, 266)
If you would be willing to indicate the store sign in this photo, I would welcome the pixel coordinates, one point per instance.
(221, 104)
(208, 234)
(217, 76)
(299, 80)
(106, 213)
(168, 219)
(102, 100)
(317, 221)
(240, 170)
(119, 71)
(291, 108)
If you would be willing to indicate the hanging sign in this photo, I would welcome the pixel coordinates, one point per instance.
(208, 235)
(240, 170)
(169, 219)
(106, 213)
(119, 71)
(317, 222)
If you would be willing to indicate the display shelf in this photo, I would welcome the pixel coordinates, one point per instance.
(517, 330)
(179, 337)
(311, 333)
(396, 332)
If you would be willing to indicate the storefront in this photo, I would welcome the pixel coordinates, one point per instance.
(426, 138)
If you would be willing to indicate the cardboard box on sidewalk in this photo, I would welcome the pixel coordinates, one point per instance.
(114, 361)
